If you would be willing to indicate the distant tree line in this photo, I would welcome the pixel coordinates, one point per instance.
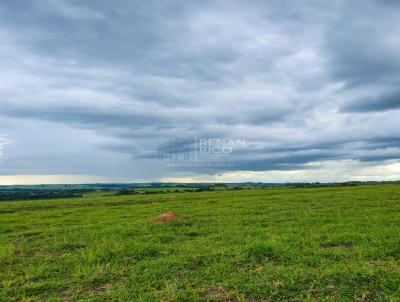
(6, 195)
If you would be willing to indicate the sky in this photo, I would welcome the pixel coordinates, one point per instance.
(90, 90)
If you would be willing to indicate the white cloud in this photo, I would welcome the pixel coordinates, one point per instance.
(325, 171)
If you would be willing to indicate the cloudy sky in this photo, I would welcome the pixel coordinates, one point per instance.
(90, 89)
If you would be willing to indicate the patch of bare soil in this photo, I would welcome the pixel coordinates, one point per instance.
(345, 245)
(166, 217)
(100, 289)
(224, 295)
(220, 295)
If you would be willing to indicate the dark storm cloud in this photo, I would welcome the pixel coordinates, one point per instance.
(298, 81)
(384, 142)
(85, 115)
(362, 45)
(377, 103)
(139, 36)
(283, 163)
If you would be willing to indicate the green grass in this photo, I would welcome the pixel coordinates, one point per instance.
(281, 244)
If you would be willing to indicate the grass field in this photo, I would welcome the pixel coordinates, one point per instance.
(280, 244)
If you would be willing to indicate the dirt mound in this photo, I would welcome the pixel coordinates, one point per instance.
(168, 216)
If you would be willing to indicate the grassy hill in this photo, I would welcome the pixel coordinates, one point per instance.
(277, 244)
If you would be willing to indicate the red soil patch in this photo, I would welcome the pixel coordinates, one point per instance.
(168, 216)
